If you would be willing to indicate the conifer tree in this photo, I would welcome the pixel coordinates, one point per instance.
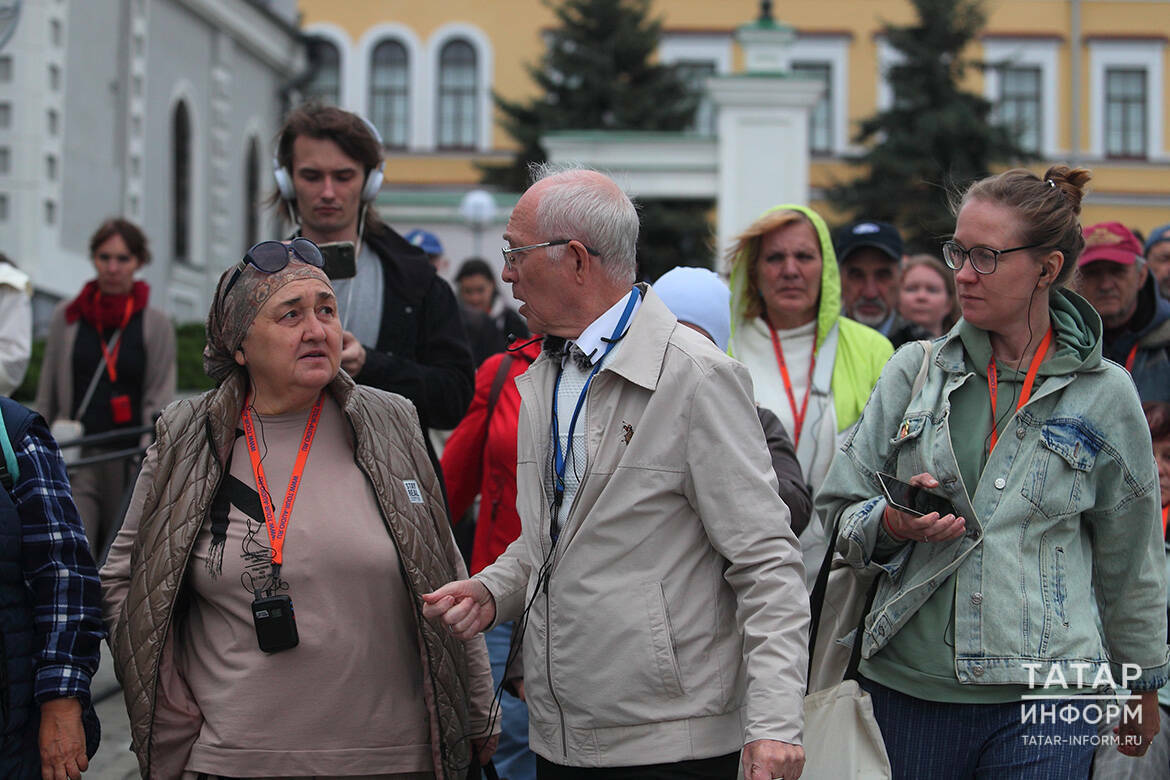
(599, 73)
(934, 137)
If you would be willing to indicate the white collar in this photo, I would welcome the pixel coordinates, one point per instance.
(590, 341)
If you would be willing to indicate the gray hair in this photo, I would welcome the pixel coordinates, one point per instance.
(582, 207)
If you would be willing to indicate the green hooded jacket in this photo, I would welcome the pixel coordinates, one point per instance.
(862, 352)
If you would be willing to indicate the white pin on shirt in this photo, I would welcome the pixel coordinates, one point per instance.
(413, 492)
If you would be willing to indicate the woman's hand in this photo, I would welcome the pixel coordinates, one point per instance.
(1134, 737)
(922, 528)
(485, 748)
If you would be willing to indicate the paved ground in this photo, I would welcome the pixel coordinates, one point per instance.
(113, 761)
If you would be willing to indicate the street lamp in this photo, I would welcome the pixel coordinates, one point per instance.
(478, 209)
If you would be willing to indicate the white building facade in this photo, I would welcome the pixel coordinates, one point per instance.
(160, 111)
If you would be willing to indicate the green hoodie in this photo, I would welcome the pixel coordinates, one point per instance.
(862, 352)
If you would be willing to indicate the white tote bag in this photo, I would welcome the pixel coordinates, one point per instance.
(841, 737)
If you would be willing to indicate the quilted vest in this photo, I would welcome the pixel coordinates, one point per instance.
(19, 715)
(195, 437)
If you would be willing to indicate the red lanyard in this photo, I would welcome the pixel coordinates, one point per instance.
(1029, 379)
(797, 414)
(276, 529)
(111, 356)
(1165, 517)
(1131, 357)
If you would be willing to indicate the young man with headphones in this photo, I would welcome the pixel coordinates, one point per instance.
(402, 330)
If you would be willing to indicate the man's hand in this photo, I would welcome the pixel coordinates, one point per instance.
(465, 606)
(1136, 736)
(767, 759)
(353, 354)
(62, 740)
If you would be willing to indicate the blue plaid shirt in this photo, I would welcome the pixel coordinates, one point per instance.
(58, 570)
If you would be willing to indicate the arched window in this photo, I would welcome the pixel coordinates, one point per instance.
(326, 83)
(458, 82)
(181, 181)
(390, 93)
(252, 194)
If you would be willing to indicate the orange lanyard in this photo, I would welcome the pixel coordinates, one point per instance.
(1165, 517)
(277, 529)
(1131, 357)
(797, 414)
(111, 356)
(1029, 379)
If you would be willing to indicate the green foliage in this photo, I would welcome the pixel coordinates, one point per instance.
(935, 137)
(27, 391)
(189, 340)
(597, 73)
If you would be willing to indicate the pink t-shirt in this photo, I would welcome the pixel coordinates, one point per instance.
(348, 700)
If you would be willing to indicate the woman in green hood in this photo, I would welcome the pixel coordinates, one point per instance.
(810, 366)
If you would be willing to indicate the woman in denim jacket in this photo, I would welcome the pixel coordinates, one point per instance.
(1042, 449)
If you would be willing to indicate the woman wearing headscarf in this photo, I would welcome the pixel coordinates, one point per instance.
(810, 365)
(111, 338)
(221, 676)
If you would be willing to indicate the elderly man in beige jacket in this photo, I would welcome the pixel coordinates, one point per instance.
(656, 574)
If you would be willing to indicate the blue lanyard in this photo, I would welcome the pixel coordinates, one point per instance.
(560, 458)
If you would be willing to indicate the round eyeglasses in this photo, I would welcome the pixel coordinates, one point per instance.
(984, 259)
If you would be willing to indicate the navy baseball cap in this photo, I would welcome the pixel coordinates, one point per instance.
(427, 242)
(880, 235)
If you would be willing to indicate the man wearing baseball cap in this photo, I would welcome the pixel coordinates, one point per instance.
(869, 254)
(1158, 258)
(1112, 275)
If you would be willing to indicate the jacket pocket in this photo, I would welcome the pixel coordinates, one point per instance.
(1055, 482)
(905, 457)
(662, 639)
(1054, 586)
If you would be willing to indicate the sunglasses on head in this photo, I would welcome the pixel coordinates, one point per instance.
(273, 256)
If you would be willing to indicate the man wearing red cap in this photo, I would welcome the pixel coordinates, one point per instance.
(1113, 276)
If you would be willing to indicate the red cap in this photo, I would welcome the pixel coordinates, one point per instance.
(1110, 241)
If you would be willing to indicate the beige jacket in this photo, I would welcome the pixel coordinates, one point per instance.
(144, 574)
(55, 388)
(673, 624)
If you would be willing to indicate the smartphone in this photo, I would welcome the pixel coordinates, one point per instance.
(339, 259)
(913, 499)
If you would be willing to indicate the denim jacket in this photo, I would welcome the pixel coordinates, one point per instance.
(1065, 514)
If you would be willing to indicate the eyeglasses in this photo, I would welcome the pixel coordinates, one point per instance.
(273, 256)
(984, 259)
(512, 264)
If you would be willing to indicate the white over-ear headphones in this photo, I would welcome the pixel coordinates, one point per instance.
(370, 189)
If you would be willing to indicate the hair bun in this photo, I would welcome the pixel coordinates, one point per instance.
(1070, 181)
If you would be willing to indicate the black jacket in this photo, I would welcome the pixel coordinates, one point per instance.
(422, 351)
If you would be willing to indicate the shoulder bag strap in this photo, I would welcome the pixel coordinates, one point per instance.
(97, 375)
(817, 597)
(498, 384)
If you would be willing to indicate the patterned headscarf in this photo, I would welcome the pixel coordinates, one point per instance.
(230, 317)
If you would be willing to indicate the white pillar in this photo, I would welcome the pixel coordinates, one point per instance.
(763, 146)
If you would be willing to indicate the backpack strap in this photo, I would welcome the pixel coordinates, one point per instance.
(9, 469)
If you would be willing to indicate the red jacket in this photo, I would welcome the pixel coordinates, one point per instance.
(470, 467)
